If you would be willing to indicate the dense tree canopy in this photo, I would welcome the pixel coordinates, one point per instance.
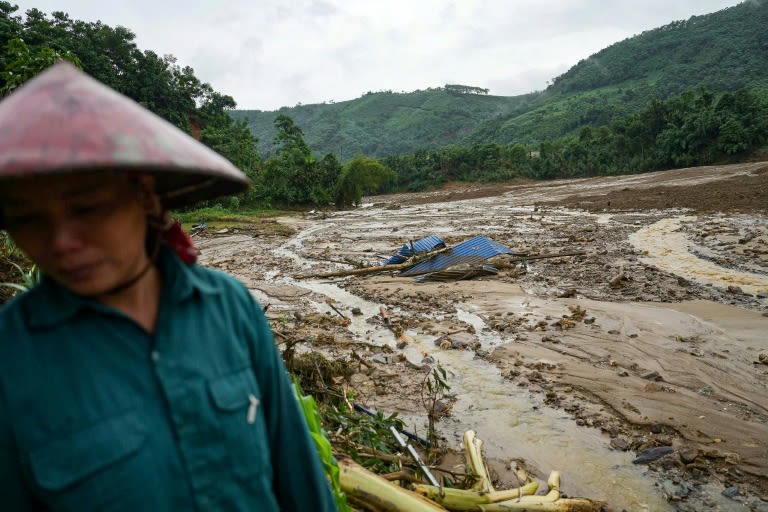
(22, 63)
(293, 176)
(362, 175)
(690, 129)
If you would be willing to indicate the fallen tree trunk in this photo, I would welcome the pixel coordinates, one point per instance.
(372, 270)
(517, 257)
(356, 271)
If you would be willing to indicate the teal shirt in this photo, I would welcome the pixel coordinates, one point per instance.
(98, 414)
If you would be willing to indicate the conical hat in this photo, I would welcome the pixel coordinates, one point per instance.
(65, 121)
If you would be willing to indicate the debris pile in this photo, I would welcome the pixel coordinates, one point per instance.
(429, 259)
(406, 493)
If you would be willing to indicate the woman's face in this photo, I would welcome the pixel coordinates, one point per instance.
(85, 231)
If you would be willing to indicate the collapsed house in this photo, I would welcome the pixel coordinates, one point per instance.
(462, 261)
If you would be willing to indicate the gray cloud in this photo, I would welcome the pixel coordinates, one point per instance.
(272, 53)
(322, 8)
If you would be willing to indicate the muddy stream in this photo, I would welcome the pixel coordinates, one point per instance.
(510, 420)
(630, 322)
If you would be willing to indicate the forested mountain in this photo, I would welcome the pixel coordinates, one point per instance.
(386, 122)
(722, 51)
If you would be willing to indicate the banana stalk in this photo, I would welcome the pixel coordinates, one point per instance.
(382, 495)
(464, 499)
(561, 505)
(550, 502)
(473, 448)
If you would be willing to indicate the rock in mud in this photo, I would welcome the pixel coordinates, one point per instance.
(675, 491)
(418, 367)
(383, 359)
(654, 387)
(652, 454)
(688, 454)
(619, 444)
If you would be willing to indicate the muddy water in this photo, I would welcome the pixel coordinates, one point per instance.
(509, 419)
(668, 248)
(513, 422)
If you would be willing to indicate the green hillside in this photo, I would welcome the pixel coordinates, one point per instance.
(384, 123)
(722, 51)
(725, 50)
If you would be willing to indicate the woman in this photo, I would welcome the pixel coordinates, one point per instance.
(131, 378)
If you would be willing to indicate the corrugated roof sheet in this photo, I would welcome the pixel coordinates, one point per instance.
(471, 251)
(427, 244)
(458, 273)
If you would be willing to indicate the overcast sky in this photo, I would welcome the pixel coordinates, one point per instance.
(272, 53)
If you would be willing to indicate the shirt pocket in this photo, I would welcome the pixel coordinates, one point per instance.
(97, 468)
(241, 423)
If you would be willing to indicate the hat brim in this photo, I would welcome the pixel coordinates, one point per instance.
(64, 121)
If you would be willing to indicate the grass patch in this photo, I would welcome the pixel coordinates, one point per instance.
(220, 214)
(218, 217)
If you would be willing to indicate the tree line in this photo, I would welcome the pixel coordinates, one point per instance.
(690, 129)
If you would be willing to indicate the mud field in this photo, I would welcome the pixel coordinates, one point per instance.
(639, 368)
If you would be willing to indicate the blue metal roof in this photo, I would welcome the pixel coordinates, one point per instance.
(427, 244)
(470, 251)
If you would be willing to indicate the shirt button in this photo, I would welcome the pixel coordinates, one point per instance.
(155, 356)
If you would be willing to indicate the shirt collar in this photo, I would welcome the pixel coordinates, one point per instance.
(50, 304)
(182, 281)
